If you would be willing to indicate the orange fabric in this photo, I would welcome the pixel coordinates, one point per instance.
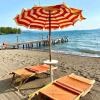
(23, 72)
(31, 70)
(73, 83)
(56, 93)
(38, 17)
(66, 88)
(71, 89)
(82, 79)
(39, 68)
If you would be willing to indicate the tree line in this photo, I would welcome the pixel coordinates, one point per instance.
(9, 30)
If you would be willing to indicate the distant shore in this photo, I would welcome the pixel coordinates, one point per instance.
(14, 59)
(11, 30)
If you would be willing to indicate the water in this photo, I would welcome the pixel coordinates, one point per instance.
(84, 43)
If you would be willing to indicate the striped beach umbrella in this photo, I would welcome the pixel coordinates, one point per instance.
(49, 18)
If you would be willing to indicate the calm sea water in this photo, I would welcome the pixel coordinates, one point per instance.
(84, 43)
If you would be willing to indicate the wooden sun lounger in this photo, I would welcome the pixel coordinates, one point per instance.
(70, 87)
(23, 74)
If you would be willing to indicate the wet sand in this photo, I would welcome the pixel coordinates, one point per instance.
(11, 60)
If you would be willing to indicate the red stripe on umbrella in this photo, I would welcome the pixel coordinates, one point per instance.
(22, 22)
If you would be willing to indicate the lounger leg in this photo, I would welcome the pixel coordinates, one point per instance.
(13, 79)
(21, 83)
(51, 73)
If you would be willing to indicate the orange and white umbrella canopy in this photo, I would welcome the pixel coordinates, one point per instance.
(60, 16)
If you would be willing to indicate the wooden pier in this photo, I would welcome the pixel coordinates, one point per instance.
(33, 44)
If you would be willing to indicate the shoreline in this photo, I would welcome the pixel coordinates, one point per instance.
(11, 60)
(69, 53)
(77, 54)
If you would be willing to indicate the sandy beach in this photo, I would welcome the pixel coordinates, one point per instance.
(11, 60)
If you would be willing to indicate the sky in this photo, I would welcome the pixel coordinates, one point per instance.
(91, 10)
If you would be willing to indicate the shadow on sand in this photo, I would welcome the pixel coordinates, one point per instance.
(5, 86)
(31, 84)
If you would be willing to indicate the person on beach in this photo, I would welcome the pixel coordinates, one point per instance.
(5, 45)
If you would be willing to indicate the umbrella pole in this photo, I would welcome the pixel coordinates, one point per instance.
(51, 72)
(49, 35)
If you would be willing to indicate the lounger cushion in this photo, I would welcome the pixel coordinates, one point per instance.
(38, 68)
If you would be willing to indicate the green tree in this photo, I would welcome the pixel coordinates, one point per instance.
(9, 30)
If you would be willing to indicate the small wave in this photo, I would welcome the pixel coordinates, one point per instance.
(89, 51)
(85, 53)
